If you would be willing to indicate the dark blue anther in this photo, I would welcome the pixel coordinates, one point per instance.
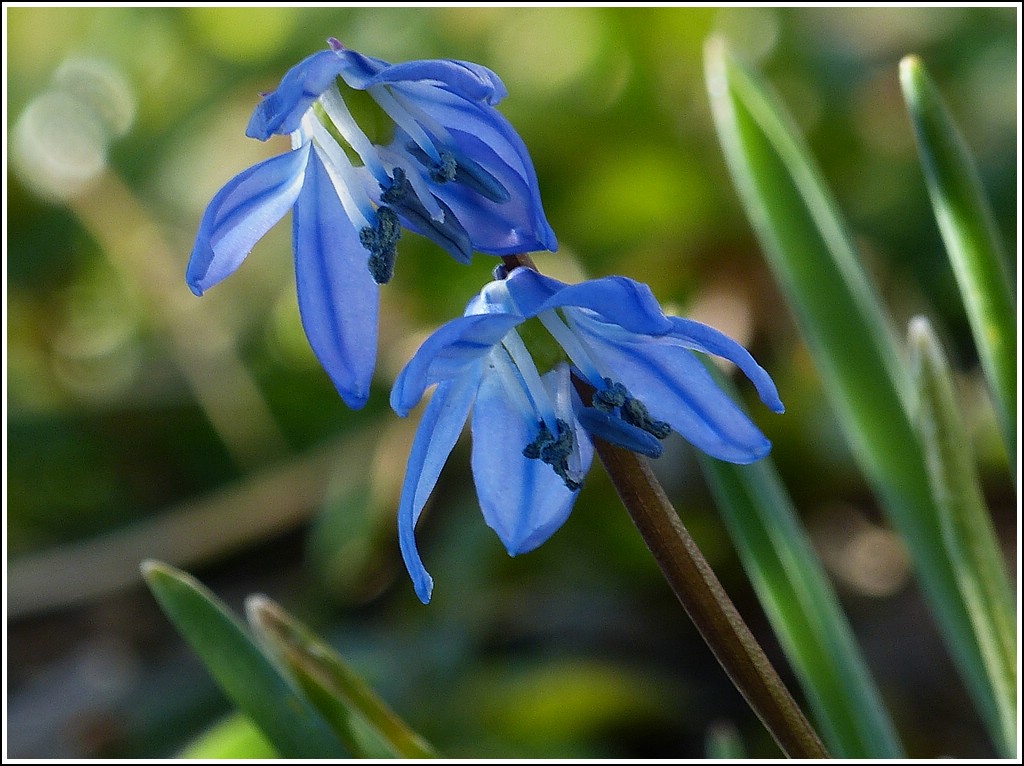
(554, 450)
(381, 240)
(635, 413)
(398, 190)
(611, 397)
(447, 170)
(463, 170)
(448, 232)
(616, 396)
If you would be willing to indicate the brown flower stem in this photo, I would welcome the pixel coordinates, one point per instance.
(517, 260)
(699, 591)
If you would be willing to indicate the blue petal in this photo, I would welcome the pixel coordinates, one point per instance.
(619, 300)
(447, 354)
(281, 110)
(337, 295)
(517, 225)
(493, 298)
(530, 289)
(676, 388)
(438, 431)
(359, 68)
(708, 340)
(483, 135)
(473, 119)
(468, 80)
(522, 499)
(241, 213)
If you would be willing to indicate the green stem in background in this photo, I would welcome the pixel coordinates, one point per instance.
(699, 591)
(972, 241)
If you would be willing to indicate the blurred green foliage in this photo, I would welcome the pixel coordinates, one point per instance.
(130, 399)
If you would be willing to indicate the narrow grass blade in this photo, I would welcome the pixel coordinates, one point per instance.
(969, 231)
(246, 675)
(802, 607)
(359, 717)
(848, 332)
(967, 531)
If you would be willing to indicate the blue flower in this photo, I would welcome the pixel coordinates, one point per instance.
(453, 170)
(531, 432)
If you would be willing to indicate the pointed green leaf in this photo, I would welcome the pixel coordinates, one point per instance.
(359, 717)
(248, 678)
(969, 231)
(848, 332)
(802, 607)
(967, 531)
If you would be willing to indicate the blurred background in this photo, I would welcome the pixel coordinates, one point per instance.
(143, 422)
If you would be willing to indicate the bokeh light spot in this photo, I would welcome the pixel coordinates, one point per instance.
(103, 87)
(61, 138)
(869, 559)
(59, 145)
(95, 353)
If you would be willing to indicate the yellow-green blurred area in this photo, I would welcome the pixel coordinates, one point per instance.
(144, 422)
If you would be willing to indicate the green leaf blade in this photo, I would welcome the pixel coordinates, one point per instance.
(802, 606)
(248, 678)
(355, 712)
(803, 610)
(849, 335)
(967, 530)
(972, 241)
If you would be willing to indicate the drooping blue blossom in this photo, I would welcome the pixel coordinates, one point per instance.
(452, 169)
(531, 431)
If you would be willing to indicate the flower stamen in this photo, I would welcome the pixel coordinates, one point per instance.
(404, 120)
(573, 345)
(615, 396)
(406, 199)
(432, 208)
(554, 450)
(635, 413)
(337, 111)
(381, 240)
(446, 170)
(524, 363)
(357, 204)
(462, 170)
